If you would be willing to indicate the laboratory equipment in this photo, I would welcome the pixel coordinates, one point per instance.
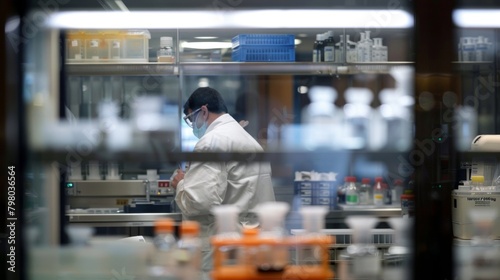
(479, 258)
(226, 218)
(272, 217)
(465, 127)
(378, 192)
(313, 222)
(379, 51)
(397, 191)
(397, 259)
(266, 249)
(361, 259)
(481, 192)
(329, 47)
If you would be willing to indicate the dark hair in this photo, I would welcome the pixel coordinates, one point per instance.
(206, 96)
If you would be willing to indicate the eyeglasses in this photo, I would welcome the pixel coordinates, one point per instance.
(187, 118)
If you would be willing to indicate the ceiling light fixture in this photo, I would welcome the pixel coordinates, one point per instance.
(232, 19)
(476, 18)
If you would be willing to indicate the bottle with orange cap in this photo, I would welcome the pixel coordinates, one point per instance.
(188, 252)
(165, 242)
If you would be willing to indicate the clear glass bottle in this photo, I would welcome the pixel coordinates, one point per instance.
(365, 192)
(341, 191)
(397, 191)
(316, 55)
(188, 251)
(368, 47)
(166, 52)
(163, 264)
(351, 191)
(481, 49)
(378, 192)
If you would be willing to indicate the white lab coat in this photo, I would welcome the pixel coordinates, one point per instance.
(208, 184)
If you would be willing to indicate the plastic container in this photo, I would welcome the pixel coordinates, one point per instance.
(322, 120)
(313, 223)
(360, 130)
(361, 259)
(397, 191)
(264, 54)
(272, 258)
(226, 218)
(166, 52)
(107, 46)
(247, 40)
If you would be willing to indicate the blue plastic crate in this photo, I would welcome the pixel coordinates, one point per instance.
(263, 40)
(264, 54)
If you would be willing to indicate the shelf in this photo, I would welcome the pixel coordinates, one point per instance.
(230, 68)
(158, 158)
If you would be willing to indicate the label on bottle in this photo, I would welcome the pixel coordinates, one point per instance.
(352, 198)
(74, 43)
(378, 199)
(315, 56)
(116, 44)
(329, 53)
(364, 198)
(94, 43)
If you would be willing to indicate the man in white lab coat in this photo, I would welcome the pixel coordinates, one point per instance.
(208, 184)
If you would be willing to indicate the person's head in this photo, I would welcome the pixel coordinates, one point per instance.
(203, 106)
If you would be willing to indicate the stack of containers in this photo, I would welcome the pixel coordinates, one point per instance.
(90, 46)
(315, 188)
(263, 48)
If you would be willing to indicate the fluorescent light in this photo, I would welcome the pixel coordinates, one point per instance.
(206, 45)
(297, 41)
(206, 37)
(476, 18)
(264, 19)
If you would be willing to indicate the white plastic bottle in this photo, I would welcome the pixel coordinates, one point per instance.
(351, 55)
(339, 50)
(359, 118)
(360, 47)
(329, 47)
(316, 55)
(368, 47)
(351, 192)
(481, 49)
(379, 51)
(396, 126)
(166, 52)
(322, 120)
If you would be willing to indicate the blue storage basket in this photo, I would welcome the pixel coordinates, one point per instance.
(264, 54)
(263, 40)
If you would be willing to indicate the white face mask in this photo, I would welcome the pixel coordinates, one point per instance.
(199, 132)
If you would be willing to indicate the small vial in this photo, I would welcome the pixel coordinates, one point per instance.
(166, 52)
(351, 192)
